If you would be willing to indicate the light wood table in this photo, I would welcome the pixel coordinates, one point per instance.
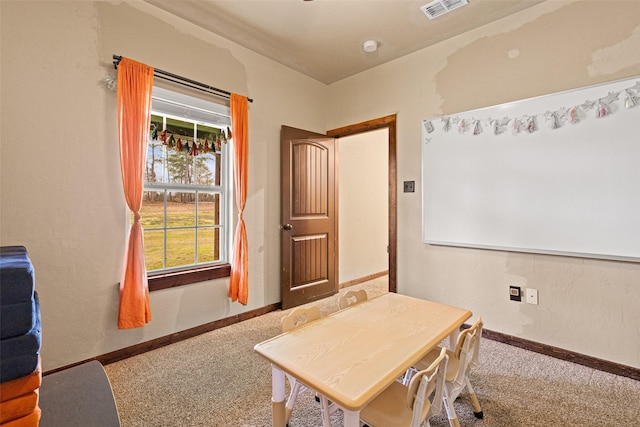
(352, 355)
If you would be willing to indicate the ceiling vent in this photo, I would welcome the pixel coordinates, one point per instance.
(440, 7)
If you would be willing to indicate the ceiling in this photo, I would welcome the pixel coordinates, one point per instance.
(323, 38)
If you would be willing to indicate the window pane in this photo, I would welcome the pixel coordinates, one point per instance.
(154, 169)
(208, 209)
(205, 172)
(179, 167)
(152, 210)
(208, 169)
(181, 209)
(180, 128)
(208, 245)
(153, 249)
(180, 247)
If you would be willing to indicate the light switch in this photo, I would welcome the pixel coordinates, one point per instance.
(532, 296)
(409, 186)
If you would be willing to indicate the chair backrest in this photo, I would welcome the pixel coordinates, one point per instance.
(425, 383)
(299, 316)
(468, 349)
(350, 298)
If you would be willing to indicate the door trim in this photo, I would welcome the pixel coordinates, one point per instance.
(388, 122)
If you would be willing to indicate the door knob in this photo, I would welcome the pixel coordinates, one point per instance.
(287, 227)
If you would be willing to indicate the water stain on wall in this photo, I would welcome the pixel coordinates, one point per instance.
(557, 51)
(167, 45)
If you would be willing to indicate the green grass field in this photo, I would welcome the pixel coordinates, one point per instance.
(180, 242)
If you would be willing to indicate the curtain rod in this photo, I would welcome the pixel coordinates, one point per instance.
(174, 78)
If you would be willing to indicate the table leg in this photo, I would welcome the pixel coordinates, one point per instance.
(277, 397)
(351, 418)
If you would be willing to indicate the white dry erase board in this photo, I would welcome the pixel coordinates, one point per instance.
(566, 182)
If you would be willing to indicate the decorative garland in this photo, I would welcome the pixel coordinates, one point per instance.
(529, 123)
(194, 147)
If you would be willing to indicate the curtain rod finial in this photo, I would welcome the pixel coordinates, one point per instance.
(116, 61)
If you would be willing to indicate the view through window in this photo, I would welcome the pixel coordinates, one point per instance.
(184, 207)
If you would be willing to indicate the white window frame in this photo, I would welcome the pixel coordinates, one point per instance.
(180, 106)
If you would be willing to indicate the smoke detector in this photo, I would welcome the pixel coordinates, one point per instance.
(370, 46)
(440, 7)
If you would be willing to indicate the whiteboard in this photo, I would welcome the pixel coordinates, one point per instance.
(566, 182)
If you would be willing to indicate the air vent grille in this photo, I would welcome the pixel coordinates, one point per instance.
(440, 7)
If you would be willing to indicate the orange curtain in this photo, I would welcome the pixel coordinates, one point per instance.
(239, 280)
(135, 83)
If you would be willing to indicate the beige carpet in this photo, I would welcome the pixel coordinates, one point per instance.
(216, 380)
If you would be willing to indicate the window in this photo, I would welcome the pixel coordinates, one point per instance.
(185, 206)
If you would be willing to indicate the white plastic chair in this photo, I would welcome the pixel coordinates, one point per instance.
(461, 361)
(350, 298)
(298, 317)
(409, 406)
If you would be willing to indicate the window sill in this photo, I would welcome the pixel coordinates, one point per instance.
(187, 277)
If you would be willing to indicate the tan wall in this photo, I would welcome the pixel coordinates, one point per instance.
(586, 305)
(61, 193)
(363, 204)
(60, 190)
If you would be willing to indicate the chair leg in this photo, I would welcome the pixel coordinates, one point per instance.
(324, 411)
(477, 410)
(296, 387)
(327, 408)
(451, 412)
(287, 415)
(453, 422)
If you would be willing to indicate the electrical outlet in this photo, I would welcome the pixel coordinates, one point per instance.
(532, 296)
(515, 293)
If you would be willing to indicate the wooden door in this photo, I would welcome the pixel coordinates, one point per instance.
(309, 241)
